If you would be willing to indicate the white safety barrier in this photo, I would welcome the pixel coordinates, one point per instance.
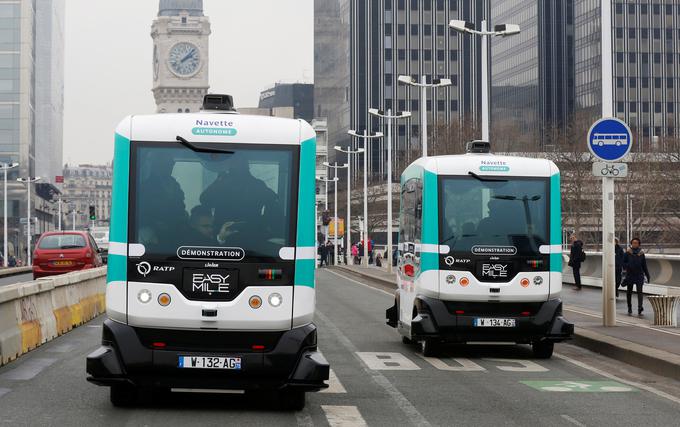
(33, 313)
(665, 310)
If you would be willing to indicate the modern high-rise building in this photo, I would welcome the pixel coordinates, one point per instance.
(646, 58)
(384, 39)
(532, 73)
(298, 96)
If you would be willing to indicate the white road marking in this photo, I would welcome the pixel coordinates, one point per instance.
(334, 384)
(362, 284)
(465, 365)
(28, 369)
(573, 421)
(385, 361)
(4, 391)
(621, 380)
(413, 415)
(343, 416)
(525, 365)
(304, 418)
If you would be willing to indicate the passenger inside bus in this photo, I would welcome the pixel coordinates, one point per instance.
(202, 226)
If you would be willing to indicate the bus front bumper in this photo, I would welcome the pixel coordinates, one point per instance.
(293, 362)
(456, 322)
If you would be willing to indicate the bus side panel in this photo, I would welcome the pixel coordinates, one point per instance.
(117, 263)
(305, 252)
(555, 234)
(430, 235)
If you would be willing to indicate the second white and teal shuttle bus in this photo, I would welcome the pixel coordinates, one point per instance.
(211, 257)
(480, 252)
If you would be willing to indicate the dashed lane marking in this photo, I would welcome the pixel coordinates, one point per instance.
(525, 365)
(28, 369)
(464, 365)
(385, 361)
(334, 384)
(574, 421)
(412, 414)
(361, 284)
(343, 416)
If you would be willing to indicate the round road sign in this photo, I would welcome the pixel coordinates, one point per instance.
(610, 139)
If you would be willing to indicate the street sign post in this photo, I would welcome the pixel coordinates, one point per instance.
(610, 140)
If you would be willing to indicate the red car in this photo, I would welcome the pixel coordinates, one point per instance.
(62, 252)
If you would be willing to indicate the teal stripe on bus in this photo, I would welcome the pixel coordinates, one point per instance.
(555, 222)
(304, 269)
(117, 268)
(430, 212)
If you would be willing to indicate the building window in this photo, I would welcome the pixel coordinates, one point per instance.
(414, 29)
(632, 83)
(633, 107)
(441, 55)
(656, 9)
(657, 82)
(645, 107)
(619, 33)
(427, 29)
(669, 107)
(402, 54)
(440, 4)
(644, 82)
(669, 34)
(454, 55)
(631, 9)
(441, 30)
(402, 130)
(619, 82)
(429, 105)
(401, 4)
(657, 107)
(619, 8)
(619, 107)
(414, 105)
(414, 54)
(401, 29)
(644, 33)
(454, 80)
(643, 9)
(657, 33)
(402, 105)
(427, 4)
(454, 105)
(388, 54)
(632, 58)
(388, 29)
(179, 110)
(427, 55)
(631, 33)
(669, 82)
(388, 79)
(657, 58)
(619, 57)
(414, 130)
(441, 105)
(388, 4)
(669, 58)
(184, 20)
(414, 4)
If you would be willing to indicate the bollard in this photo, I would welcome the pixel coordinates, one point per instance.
(665, 310)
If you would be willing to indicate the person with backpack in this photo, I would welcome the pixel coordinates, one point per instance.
(576, 257)
(635, 264)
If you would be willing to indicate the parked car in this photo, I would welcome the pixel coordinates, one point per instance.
(62, 252)
(101, 237)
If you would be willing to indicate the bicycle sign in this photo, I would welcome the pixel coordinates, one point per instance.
(610, 139)
(580, 386)
(614, 170)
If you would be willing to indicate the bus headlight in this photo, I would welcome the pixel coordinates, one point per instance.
(538, 280)
(275, 300)
(450, 279)
(144, 296)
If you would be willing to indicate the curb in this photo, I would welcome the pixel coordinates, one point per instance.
(657, 361)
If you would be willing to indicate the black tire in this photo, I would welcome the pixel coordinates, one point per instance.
(292, 400)
(543, 349)
(429, 347)
(123, 396)
(406, 340)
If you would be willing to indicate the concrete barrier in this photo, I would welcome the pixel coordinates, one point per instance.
(33, 313)
(14, 271)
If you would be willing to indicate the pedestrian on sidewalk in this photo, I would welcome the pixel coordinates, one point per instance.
(635, 264)
(323, 252)
(576, 256)
(331, 253)
(618, 265)
(355, 254)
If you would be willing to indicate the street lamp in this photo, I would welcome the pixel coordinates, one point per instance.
(5, 167)
(348, 232)
(389, 117)
(335, 167)
(502, 30)
(366, 136)
(423, 85)
(28, 182)
(335, 232)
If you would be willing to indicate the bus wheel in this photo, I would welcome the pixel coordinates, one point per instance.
(123, 395)
(292, 400)
(406, 340)
(543, 349)
(429, 347)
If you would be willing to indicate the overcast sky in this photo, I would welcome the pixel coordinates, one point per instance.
(254, 43)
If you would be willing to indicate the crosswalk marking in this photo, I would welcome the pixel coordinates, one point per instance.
(385, 361)
(343, 416)
(525, 365)
(334, 384)
(464, 365)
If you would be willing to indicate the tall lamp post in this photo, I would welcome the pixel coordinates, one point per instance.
(348, 227)
(389, 117)
(5, 167)
(366, 136)
(423, 85)
(335, 168)
(334, 180)
(502, 30)
(28, 182)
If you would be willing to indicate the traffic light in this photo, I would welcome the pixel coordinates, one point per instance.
(93, 214)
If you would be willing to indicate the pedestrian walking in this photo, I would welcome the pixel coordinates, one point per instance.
(323, 252)
(618, 265)
(576, 257)
(635, 264)
(355, 254)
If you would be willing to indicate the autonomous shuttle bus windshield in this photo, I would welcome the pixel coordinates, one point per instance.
(480, 253)
(211, 257)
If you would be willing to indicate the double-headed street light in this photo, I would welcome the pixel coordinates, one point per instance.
(502, 30)
(28, 182)
(423, 85)
(348, 226)
(389, 117)
(335, 167)
(5, 167)
(366, 136)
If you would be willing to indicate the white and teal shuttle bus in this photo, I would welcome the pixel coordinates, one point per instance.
(211, 257)
(480, 255)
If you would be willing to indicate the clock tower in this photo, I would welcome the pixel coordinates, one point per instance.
(180, 56)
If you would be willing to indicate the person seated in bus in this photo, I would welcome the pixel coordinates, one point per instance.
(202, 227)
(244, 207)
(493, 223)
(161, 217)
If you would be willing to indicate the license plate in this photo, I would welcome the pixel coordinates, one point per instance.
(204, 362)
(210, 283)
(62, 263)
(485, 322)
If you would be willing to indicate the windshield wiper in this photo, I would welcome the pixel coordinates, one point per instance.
(486, 178)
(198, 149)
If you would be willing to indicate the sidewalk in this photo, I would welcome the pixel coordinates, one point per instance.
(634, 340)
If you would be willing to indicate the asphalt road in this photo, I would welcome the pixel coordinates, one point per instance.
(376, 381)
(8, 280)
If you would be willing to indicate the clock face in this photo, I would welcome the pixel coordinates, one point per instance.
(184, 59)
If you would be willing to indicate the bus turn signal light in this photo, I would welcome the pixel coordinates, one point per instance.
(255, 302)
(524, 282)
(464, 282)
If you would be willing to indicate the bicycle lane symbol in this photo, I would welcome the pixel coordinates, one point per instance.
(580, 386)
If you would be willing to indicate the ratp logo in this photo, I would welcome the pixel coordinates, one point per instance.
(144, 268)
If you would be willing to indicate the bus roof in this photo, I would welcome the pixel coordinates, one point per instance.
(486, 164)
(215, 127)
